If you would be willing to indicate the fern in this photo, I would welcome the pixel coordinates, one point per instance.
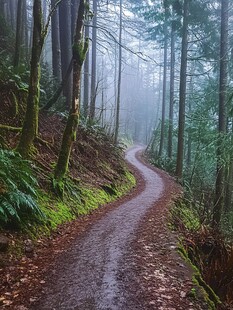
(17, 188)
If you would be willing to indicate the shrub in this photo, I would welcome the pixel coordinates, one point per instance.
(17, 189)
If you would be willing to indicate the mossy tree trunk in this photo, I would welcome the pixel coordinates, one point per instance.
(80, 47)
(30, 125)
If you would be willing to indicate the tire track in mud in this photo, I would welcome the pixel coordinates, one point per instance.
(87, 276)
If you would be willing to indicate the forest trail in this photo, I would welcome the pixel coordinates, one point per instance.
(116, 265)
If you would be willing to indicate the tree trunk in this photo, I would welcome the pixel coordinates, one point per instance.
(189, 99)
(13, 10)
(117, 123)
(74, 11)
(30, 125)
(159, 90)
(86, 77)
(25, 31)
(66, 45)
(19, 35)
(161, 144)
(56, 48)
(182, 91)
(219, 185)
(172, 82)
(79, 53)
(93, 62)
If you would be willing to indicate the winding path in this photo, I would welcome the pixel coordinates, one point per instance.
(127, 260)
(87, 277)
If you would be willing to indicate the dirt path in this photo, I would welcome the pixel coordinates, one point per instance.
(127, 259)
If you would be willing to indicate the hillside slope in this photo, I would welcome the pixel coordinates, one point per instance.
(97, 173)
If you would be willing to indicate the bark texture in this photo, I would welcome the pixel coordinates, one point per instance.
(30, 126)
(93, 62)
(80, 48)
(219, 186)
(182, 90)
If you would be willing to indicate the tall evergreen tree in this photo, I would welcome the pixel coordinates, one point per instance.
(182, 91)
(223, 59)
(66, 47)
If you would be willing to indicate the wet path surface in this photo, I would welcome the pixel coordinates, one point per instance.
(86, 277)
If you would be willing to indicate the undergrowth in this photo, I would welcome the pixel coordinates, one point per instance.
(18, 190)
(208, 251)
(79, 199)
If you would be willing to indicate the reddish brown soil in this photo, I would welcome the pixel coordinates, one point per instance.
(160, 278)
(22, 280)
(152, 272)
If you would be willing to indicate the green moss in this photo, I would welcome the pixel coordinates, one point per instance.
(64, 154)
(186, 215)
(206, 291)
(192, 293)
(78, 200)
(80, 50)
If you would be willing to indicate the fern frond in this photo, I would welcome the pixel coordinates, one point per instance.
(20, 188)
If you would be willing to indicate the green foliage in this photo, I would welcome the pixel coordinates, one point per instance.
(185, 215)
(79, 200)
(15, 78)
(165, 163)
(17, 189)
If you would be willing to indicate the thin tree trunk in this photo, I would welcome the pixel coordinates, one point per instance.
(25, 31)
(86, 76)
(159, 94)
(164, 89)
(56, 47)
(66, 45)
(189, 144)
(13, 10)
(93, 62)
(117, 124)
(219, 185)
(18, 40)
(172, 82)
(74, 12)
(182, 95)
(79, 53)
(30, 125)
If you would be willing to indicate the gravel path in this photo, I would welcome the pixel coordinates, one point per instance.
(87, 276)
(127, 260)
